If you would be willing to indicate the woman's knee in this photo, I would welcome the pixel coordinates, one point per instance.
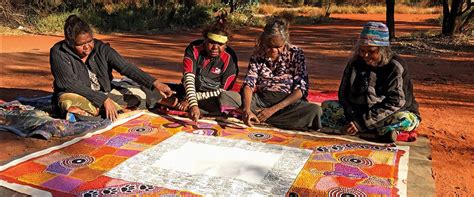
(316, 109)
(331, 104)
(317, 113)
(72, 100)
(400, 122)
(230, 99)
(408, 120)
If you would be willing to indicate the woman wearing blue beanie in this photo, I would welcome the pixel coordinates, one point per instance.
(376, 93)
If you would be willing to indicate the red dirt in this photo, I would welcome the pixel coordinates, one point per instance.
(444, 84)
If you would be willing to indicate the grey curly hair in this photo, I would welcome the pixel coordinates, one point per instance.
(275, 27)
(385, 51)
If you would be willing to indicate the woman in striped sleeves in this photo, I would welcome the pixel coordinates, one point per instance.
(210, 68)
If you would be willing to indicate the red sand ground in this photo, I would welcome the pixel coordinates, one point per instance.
(444, 84)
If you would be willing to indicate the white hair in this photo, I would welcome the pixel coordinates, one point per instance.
(385, 51)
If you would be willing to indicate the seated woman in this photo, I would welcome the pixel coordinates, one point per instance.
(210, 68)
(82, 70)
(376, 93)
(278, 76)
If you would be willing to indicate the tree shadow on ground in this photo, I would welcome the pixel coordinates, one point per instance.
(9, 94)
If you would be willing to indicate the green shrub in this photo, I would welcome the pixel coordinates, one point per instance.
(142, 18)
(238, 19)
(195, 16)
(53, 23)
(245, 16)
(120, 18)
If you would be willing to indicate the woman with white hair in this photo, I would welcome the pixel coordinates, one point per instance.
(276, 85)
(376, 93)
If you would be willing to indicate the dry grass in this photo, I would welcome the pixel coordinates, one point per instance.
(292, 14)
(346, 10)
(378, 9)
(373, 9)
(267, 9)
(405, 9)
(10, 31)
(310, 11)
(431, 43)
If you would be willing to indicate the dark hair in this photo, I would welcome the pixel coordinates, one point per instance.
(275, 27)
(219, 26)
(73, 27)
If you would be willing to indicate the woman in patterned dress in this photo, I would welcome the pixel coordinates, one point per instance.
(276, 85)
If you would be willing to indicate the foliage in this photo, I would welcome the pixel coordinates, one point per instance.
(48, 16)
(121, 18)
(4, 30)
(53, 22)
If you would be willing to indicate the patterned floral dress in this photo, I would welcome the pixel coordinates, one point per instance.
(273, 81)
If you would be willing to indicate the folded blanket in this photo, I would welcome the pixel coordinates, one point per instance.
(26, 121)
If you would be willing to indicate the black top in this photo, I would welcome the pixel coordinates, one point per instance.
(220, 71)
(370, 95)
(71, 75)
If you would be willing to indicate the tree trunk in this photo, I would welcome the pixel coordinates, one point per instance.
(450, 18)
(232, 6)
(390, 17)
(445, 16)
(465, 18)
(328, 9)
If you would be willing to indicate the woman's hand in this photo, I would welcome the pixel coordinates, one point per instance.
(351, 129)
(266, 113)
(183, 105)
(194, 113)
(249, 116)
(164, 89)
(110, 109)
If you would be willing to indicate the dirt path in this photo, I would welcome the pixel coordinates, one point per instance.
(444, 84)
